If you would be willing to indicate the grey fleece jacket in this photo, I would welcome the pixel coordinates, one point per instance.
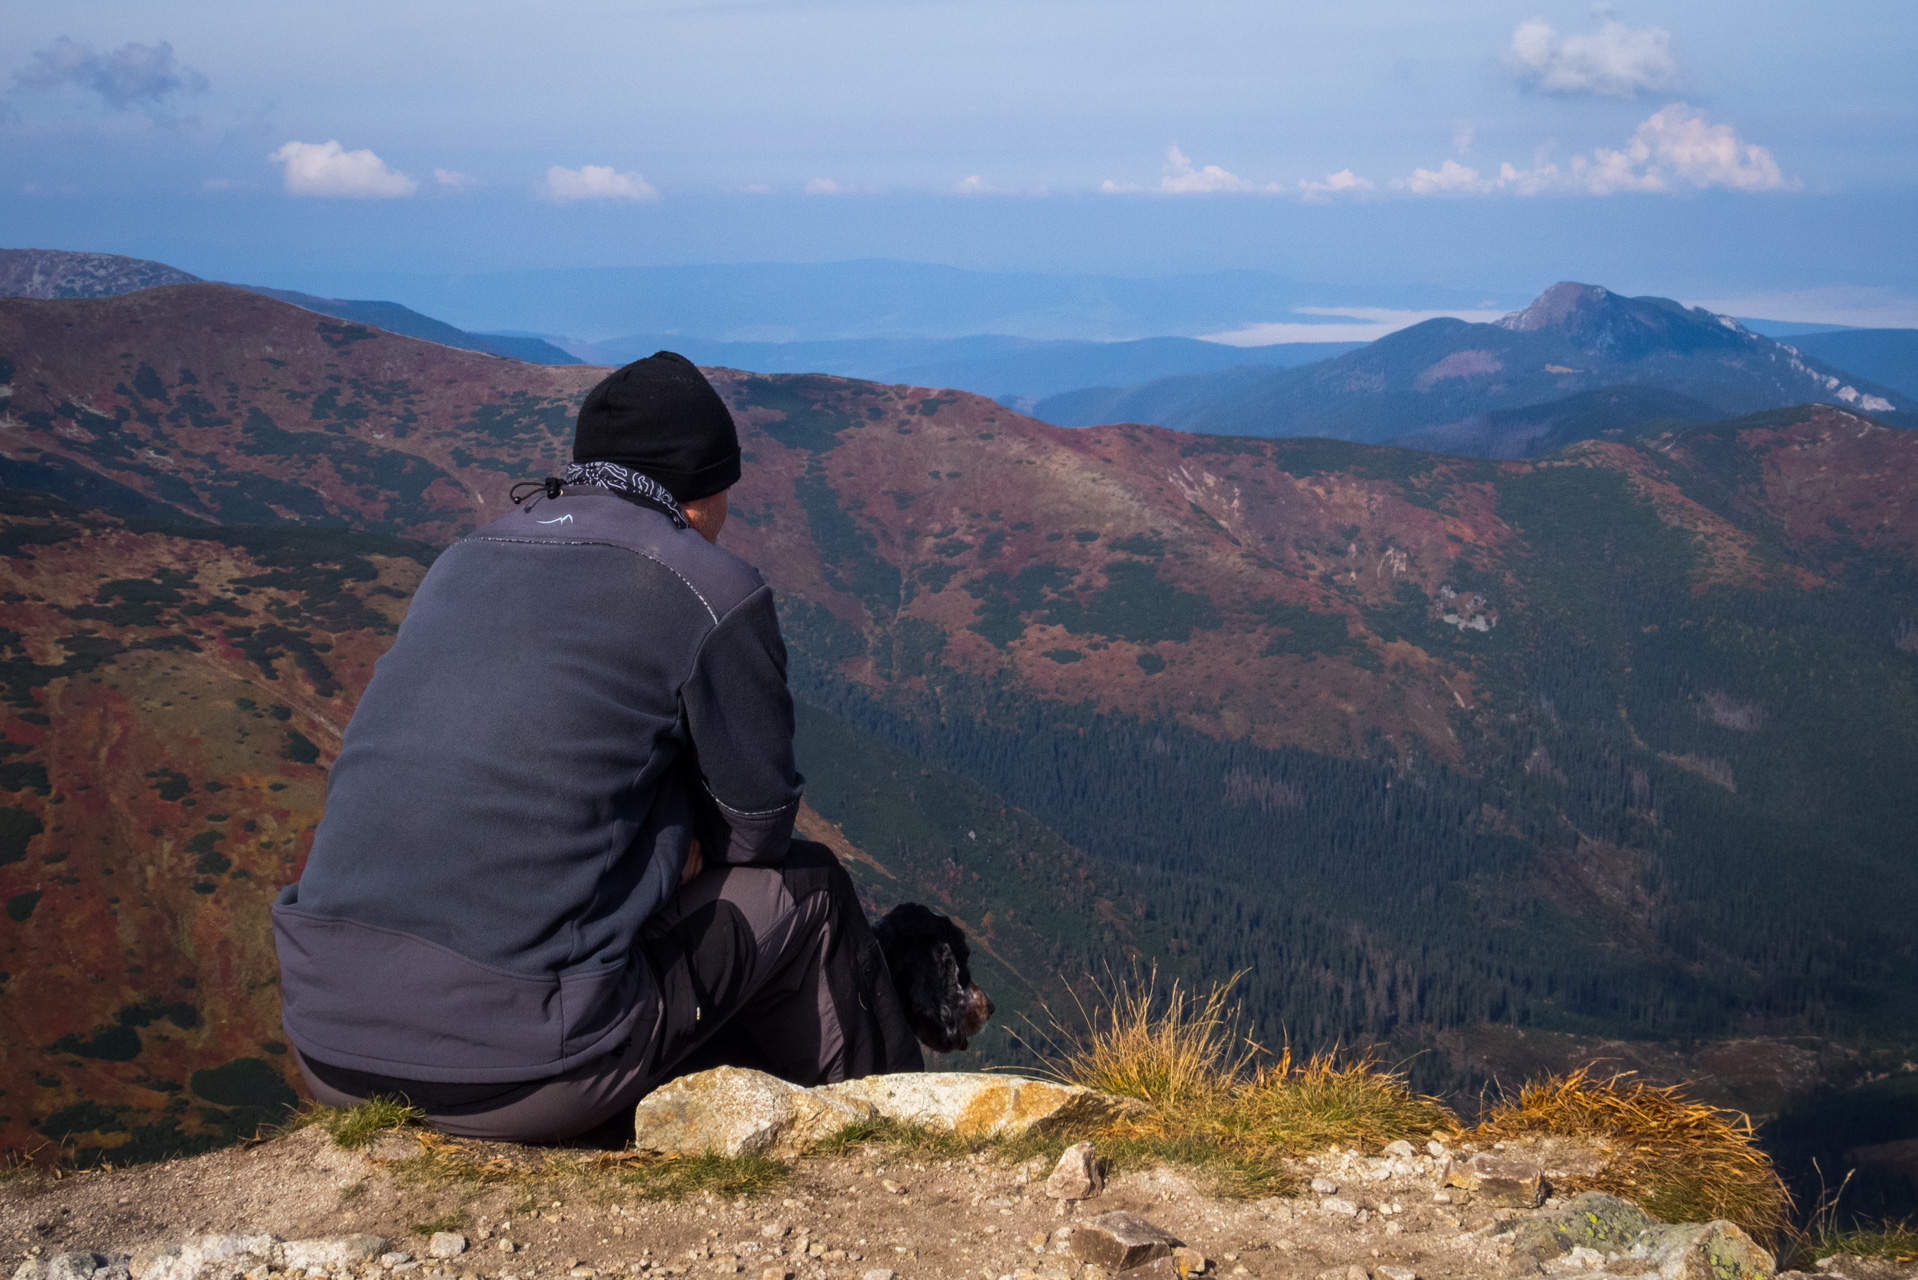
(575, 687)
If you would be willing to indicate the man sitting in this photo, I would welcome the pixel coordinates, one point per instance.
(557, 857)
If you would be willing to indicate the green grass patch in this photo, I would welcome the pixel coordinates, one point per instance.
(1895, 1242)
(355, 1127)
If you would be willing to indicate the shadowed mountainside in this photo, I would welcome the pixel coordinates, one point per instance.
(1573, 339)
(1611, 741)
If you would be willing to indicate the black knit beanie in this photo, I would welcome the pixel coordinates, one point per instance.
(660, 416)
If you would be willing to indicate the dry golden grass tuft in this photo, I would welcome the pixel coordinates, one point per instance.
(1219, 1101)
(1677, 1159)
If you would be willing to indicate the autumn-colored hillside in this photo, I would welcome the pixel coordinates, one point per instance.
(1606, 742)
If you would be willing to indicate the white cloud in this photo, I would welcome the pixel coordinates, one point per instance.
(1675, 148)
(1449, 178)
(1182, 178)
(1611, 61)
(823, 187)
(130, 74)
(326, 169)
(454, 180)
(1462, 135)
(1367, 323)
(1335, 184)
(978, 186)
(594, 182)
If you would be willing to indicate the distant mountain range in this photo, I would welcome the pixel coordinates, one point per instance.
(1440, 375)
(1614, 741)
(1016, 371)
(875, 298)
(58, 273)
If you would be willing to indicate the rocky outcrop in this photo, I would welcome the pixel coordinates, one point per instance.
(1601, 1235)
(733, 1111)
(211, 1257)
(979, 1104)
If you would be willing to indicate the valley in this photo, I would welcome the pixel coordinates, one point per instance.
(1607, 743)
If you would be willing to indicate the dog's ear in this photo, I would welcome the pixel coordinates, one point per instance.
(937, 1003)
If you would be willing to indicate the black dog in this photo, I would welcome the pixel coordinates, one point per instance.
(929, 960)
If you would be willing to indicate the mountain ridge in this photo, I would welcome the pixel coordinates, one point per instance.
(1573, 338)
(1605, 742)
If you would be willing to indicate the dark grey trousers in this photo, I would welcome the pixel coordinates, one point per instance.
(773, 968)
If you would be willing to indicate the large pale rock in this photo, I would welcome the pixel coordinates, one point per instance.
(1120, 1241)
(977, 1104)
(732, 1111)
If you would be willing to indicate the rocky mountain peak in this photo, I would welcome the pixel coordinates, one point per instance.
(1556, 306)
(57, 273)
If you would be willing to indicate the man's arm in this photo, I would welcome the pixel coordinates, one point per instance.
(739, 714)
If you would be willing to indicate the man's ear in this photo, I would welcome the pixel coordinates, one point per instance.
(707, 515)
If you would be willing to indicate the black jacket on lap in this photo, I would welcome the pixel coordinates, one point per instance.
(576, 685)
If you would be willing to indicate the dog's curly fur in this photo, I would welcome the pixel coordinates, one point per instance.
(930, 964)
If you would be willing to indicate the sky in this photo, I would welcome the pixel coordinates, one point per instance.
(1759, 157)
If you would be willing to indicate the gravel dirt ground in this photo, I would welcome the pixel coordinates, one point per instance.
(872, 1208)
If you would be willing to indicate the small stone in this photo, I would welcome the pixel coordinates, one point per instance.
(775, 1273)
(1079, 1175)
(880, 1273)
(1325, 1186)
(892, 1187)
(1189, 1260)
(1353, 1272)
(582, 1273)
(1343, 1208)
(31, 1269)
(1390, 1272)
(395, 1258)
(1401, 1149)
(1120, 1241)
(446, 1244)
(1500, 1180)
(505, 1245)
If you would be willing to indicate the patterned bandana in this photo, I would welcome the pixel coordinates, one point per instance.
(626, 482)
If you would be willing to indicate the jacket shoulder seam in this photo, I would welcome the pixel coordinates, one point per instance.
(619, 546)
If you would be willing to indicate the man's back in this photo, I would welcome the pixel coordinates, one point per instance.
(513, 797)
